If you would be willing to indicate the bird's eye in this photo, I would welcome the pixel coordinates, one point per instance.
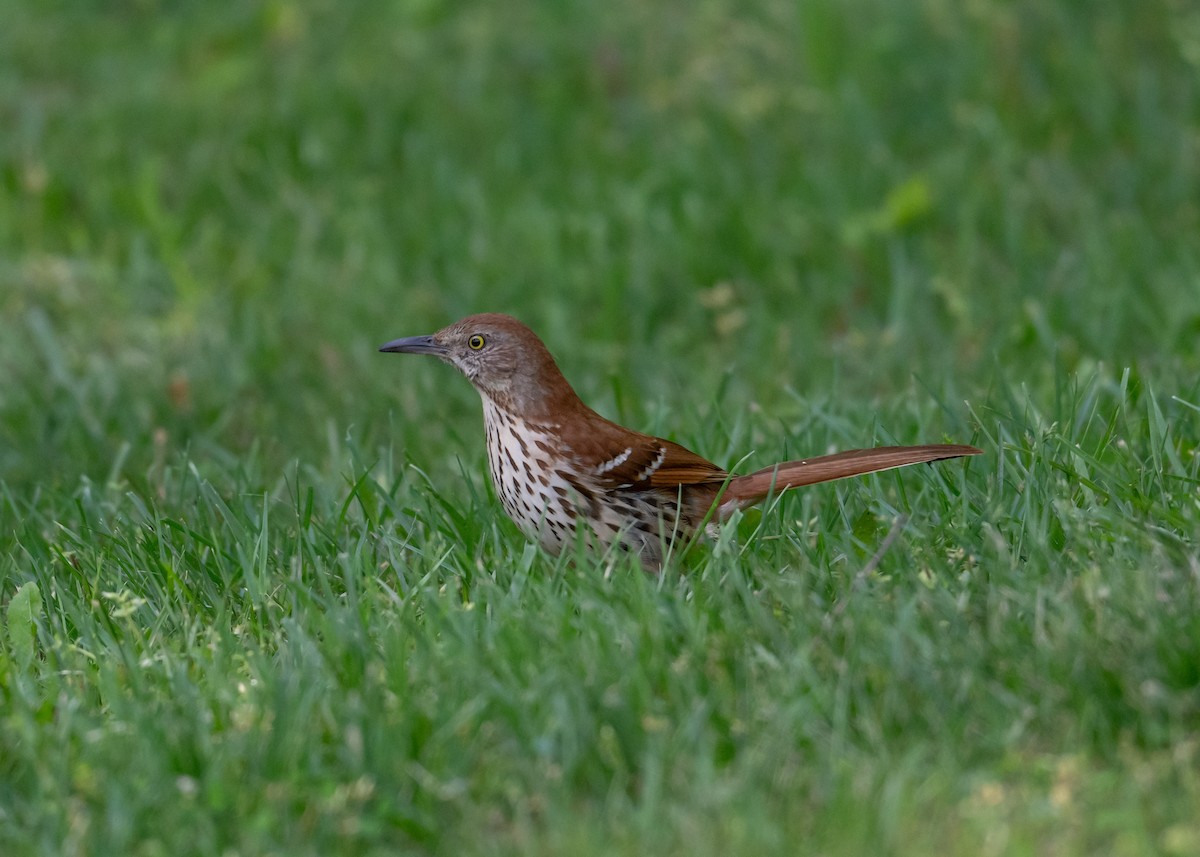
(475, 342)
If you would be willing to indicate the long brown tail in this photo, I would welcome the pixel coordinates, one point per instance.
(743, 491)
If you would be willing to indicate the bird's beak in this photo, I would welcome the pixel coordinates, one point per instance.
(415, 345)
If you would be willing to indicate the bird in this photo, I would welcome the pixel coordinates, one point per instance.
(560, 468)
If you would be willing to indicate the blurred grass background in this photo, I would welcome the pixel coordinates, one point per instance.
(226, 207)
(768, 228)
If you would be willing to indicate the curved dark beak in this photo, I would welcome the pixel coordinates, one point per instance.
(414, 345)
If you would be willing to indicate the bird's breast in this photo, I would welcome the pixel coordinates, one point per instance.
(526, 466)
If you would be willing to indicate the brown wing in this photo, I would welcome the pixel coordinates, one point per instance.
(614, 456)
(651, 462)
(681, 466)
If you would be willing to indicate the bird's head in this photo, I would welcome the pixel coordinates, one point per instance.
(504, 359)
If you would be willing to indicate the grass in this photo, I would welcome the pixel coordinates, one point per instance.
(257, 596)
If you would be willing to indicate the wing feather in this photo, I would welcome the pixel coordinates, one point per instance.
(642, 461)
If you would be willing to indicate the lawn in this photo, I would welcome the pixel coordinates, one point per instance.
(257, 595)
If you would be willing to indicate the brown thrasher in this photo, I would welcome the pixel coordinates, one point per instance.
(554, 460)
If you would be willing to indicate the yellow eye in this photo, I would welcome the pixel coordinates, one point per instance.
(475, 342)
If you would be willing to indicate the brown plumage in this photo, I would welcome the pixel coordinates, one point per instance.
(554, 461)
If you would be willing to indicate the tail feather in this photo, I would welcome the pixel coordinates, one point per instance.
(743, 491)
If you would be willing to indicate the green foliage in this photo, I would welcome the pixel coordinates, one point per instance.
(258, 597)
(23, 611)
